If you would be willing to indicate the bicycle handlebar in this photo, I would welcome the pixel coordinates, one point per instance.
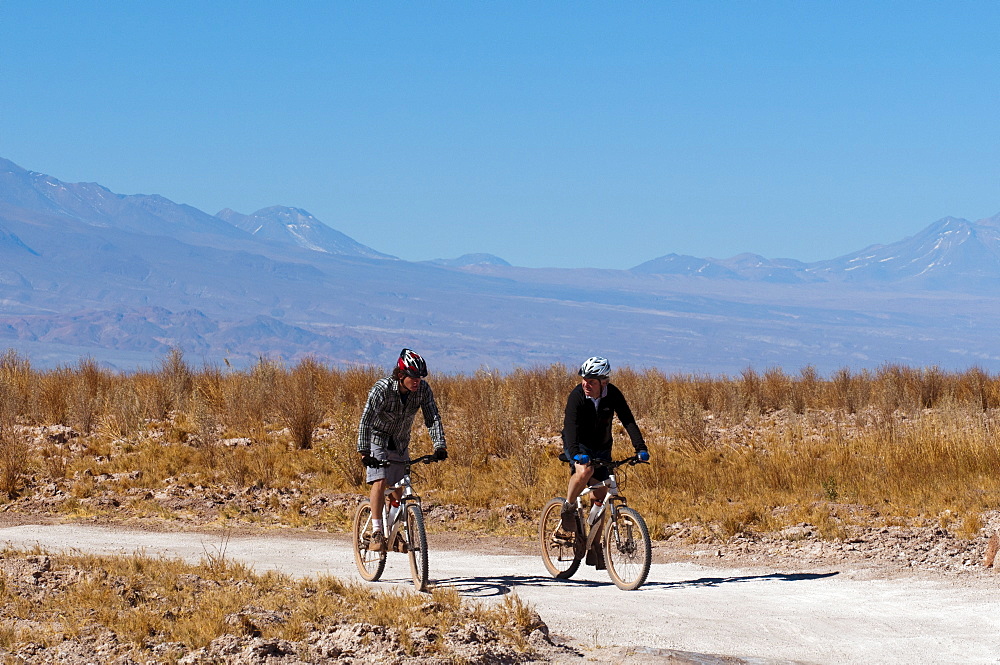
(631, 461)
(423, 459)
(611, 464)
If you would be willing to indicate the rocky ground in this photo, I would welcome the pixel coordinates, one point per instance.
(920, 545)
(926, 548)
(914, 548)
(32, 578)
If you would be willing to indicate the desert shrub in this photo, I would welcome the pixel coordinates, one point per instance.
(340, 454)
(750, 389)
(121, 412)
(15, 387)
(688, 425)
(177, 379)
(974, 387)
(14, 461)
(258, 465)
(850, 391)
(51, 403)
(248, 398)
(806, 389)
(154, 399)
(205, 413)
(298, 401)
(89, 385)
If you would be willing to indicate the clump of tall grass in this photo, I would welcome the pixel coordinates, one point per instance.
(13, 461)
(299, 401)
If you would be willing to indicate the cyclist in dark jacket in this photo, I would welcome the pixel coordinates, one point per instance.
(586, 434)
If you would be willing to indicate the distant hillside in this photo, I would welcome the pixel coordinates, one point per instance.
(950, 254)
(97, 206)
(124, 278)
(467, 260)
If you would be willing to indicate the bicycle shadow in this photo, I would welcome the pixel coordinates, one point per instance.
(500, 585)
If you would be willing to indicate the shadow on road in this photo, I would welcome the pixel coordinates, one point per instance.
(716, 581)
(499, 585)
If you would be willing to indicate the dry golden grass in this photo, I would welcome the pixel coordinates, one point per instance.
(147, 601)
(754, 452)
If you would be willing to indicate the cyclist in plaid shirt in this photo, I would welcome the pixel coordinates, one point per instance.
(384, 432)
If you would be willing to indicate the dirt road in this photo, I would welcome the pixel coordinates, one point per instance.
(827, 616)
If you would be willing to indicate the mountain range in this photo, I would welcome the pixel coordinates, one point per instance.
(86, 272)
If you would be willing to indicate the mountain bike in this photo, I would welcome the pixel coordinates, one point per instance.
(403, 526)
(611, 534)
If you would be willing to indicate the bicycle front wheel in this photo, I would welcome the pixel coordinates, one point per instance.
(558, 552)
(370, 564)
(627, 549)
(416, 543)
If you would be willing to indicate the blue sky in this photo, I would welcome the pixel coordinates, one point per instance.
(575, 134)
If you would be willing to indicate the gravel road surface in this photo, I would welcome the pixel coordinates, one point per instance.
(824, 616)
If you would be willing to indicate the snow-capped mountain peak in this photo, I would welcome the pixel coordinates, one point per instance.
(295, 226)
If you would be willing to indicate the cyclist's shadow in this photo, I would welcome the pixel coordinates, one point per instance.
(500, 585)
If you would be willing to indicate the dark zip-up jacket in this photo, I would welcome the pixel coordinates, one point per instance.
(587, 430)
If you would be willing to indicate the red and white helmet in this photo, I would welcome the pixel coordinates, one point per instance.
(595, 368)
(411, 364)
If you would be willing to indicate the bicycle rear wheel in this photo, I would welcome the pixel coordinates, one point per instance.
(558, 554)
(416, 542)
(627, 549)
(370, 564)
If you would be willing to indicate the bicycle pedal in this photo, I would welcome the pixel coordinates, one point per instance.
(564, 539)
(399, 545)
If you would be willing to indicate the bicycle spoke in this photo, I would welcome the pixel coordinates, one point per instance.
(627, 549)
(416, 541)
(370, 564)
(558, 553)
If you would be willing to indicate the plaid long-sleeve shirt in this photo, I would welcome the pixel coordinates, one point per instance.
(387, 417)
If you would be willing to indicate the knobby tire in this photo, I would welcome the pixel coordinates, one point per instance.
(560, 559)
(370, 564)
(416, 542)
(627, 549)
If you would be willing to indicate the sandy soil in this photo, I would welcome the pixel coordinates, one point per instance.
(698, 606)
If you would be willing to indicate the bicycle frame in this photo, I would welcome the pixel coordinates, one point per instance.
(391, 529)
(408, 496)
(614, 499)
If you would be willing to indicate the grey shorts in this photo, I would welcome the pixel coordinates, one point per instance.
(392, 473)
